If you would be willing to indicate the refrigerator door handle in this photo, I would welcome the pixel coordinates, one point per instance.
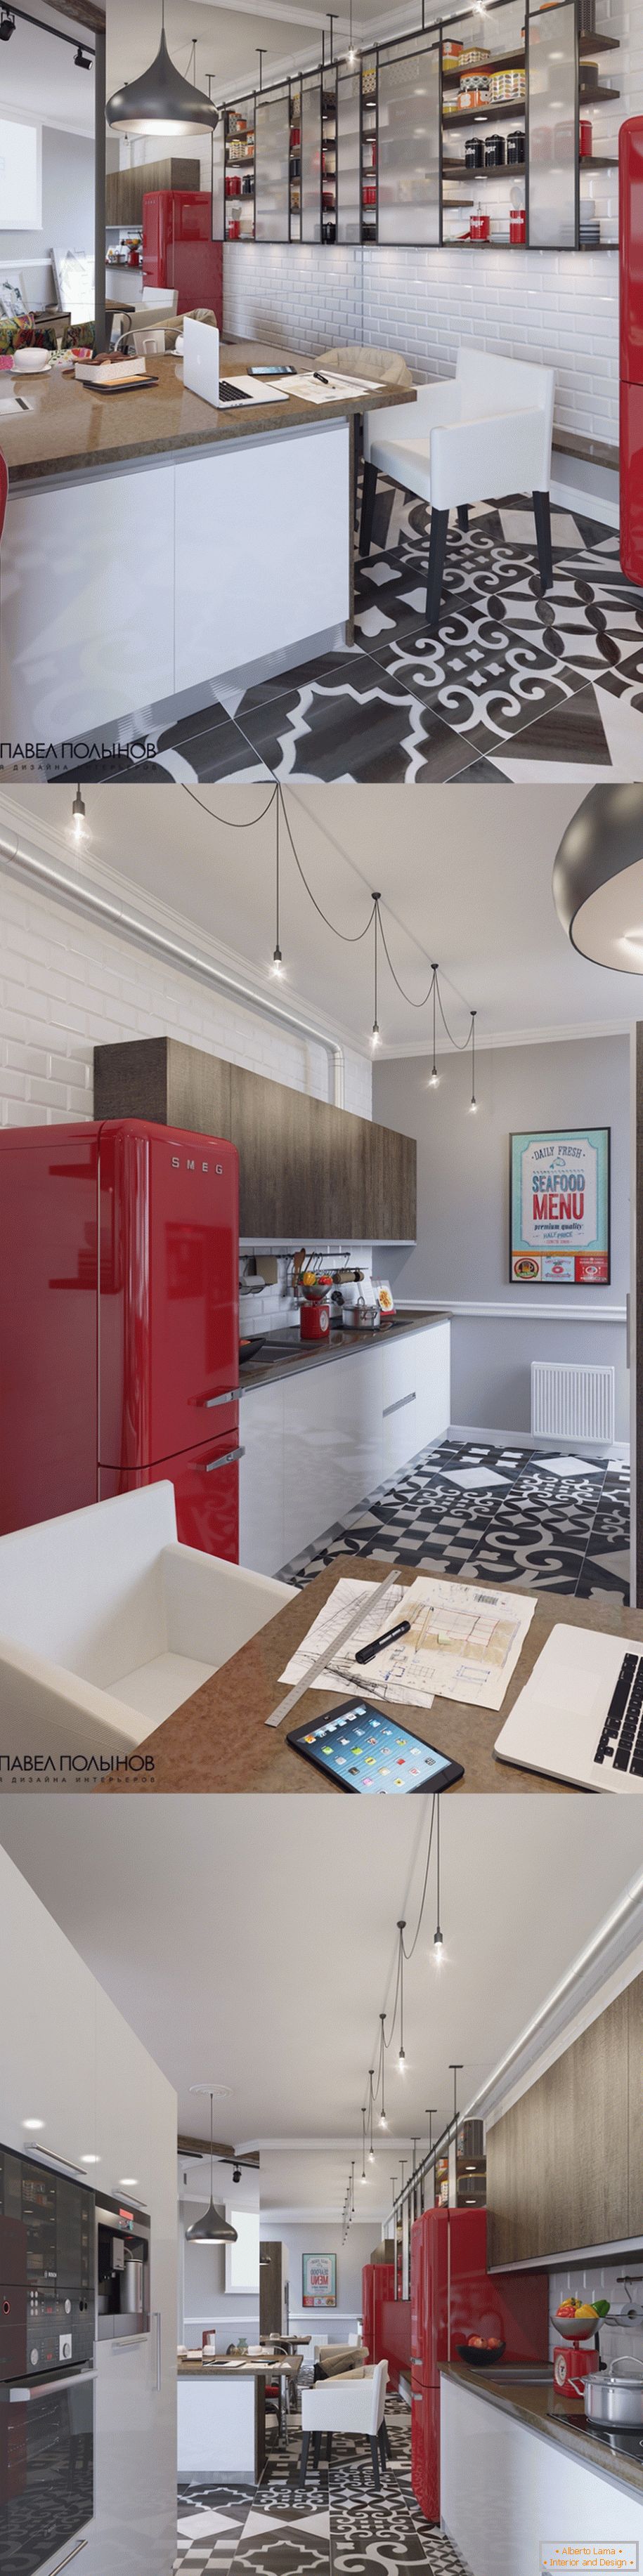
(157, 2323)
(208, 1465)
(232, 1397)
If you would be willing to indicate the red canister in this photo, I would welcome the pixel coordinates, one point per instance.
(480, 226)
(517, 224)
(314, 1320)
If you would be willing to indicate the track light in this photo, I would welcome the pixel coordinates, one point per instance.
(7, 26)
(82, 60)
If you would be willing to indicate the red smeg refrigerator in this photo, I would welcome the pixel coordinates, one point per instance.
(452, 2296)
(119, 1323)
(631, 344)
(178, 249)
(378, 2284)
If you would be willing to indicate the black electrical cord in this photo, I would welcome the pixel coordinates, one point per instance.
(350, 936)
(231, 825)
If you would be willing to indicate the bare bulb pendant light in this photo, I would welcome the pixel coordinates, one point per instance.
(160, 100)
(434, 1075)
(213, 2227)
(375, 1032)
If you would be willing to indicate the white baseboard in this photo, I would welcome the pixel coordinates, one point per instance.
(527, 1440)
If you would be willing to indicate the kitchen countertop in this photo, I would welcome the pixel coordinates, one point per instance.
(277, 2366)
(293, 1354)
(219, 1739)
(71, 430)
(558, 2420)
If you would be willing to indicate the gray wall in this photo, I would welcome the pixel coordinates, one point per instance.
(317, 2236)
(67, 201)
(461, 1252)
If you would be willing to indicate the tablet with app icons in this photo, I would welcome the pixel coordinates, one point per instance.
(371, 1754)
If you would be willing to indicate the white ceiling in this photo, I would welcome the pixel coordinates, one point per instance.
(251, 1948)
(290, 30)
(465, 879)
(38, 75)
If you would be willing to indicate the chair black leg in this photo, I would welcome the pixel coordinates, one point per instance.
(369, 488)
(543, 538)
(329, 2445)
(381, 2438)
(387, 2446)
(437, 552)
(376, 2464)
(463, 516)
(303, 2464)
(317, 2439)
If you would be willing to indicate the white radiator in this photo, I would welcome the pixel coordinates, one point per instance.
(572, 1403)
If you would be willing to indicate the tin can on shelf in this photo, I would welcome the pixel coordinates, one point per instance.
(517, 224)
(473, 153)
(516, 148)
(494, 152)
(479, 229)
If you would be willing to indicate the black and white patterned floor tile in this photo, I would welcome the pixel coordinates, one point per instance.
(514, 1517)
(515, 685)
(335, 2521)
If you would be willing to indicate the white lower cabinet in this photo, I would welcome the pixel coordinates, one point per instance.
(319, 1441)
(506, 2490)
(261, 1479)
(135, 2421)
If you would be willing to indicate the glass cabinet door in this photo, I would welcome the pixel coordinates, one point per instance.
(272, 148)
(349, 184)
(552, 128)
(218, 181)
(408, 144)
(311, 160)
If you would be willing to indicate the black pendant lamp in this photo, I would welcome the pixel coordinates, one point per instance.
(160, 100)
(598, 878)
(212, 2228)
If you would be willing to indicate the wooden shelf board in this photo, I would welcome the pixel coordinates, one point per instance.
(504, 108)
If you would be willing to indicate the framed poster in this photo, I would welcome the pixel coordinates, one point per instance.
(319, 2281)
(559, 1196)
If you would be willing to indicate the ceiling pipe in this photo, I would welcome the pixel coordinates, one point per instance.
(17, 859)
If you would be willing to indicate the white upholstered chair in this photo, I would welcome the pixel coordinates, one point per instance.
(107, 1625)
(485, 433)
(351, 2405)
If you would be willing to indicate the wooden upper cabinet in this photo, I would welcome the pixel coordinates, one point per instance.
(305, 1168)
(635, 2106)
(125, 189)
(558, 2165)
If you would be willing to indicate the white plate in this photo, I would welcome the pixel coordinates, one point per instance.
(26, 372)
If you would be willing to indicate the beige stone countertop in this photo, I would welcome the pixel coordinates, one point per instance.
(71, 429)
(561, 2420)
(276, 2366)
(290, 1354)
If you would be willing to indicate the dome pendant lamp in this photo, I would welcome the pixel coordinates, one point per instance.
(160, 101)
(598, 879)
(213, 2227)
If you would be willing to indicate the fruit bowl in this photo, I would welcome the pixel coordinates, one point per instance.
(576, 2329)
(480, 2356)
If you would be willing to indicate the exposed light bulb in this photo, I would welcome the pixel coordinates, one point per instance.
(438, 1946)
(277, 966)
(383, 2122)
(402, 2062)
(473, 1107)
(363, 2177)
(433, 1078)
(375, 1036)
(371, 2155)
(351, 57)
(79, 818)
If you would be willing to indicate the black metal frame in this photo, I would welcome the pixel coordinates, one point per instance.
(405, 43)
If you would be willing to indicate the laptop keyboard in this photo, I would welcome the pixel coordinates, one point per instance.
(621, 1740)
(231, 393)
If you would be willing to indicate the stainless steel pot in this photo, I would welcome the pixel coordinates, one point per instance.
(614, 2397)
(133, 2288)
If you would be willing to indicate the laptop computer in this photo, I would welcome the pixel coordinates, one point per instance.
(580, 1715)
(201, 371)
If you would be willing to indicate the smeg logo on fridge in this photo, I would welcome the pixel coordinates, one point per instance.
(191, 1165)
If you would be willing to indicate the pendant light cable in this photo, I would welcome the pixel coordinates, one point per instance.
(351, 938)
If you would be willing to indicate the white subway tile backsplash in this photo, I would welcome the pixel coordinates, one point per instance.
(57, 962)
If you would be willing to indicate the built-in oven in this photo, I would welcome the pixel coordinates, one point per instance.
(122, 2270)
(47, 2328)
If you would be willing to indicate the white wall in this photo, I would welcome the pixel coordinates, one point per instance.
(67, 209)
(462, 1248)
(203, 2298)
(326, 2325)
(66, 986)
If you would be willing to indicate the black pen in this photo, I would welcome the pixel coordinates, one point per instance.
(365, 1653)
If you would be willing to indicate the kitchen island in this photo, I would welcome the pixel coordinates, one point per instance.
(154, 545)
(533, 2473)
(221, 2414)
